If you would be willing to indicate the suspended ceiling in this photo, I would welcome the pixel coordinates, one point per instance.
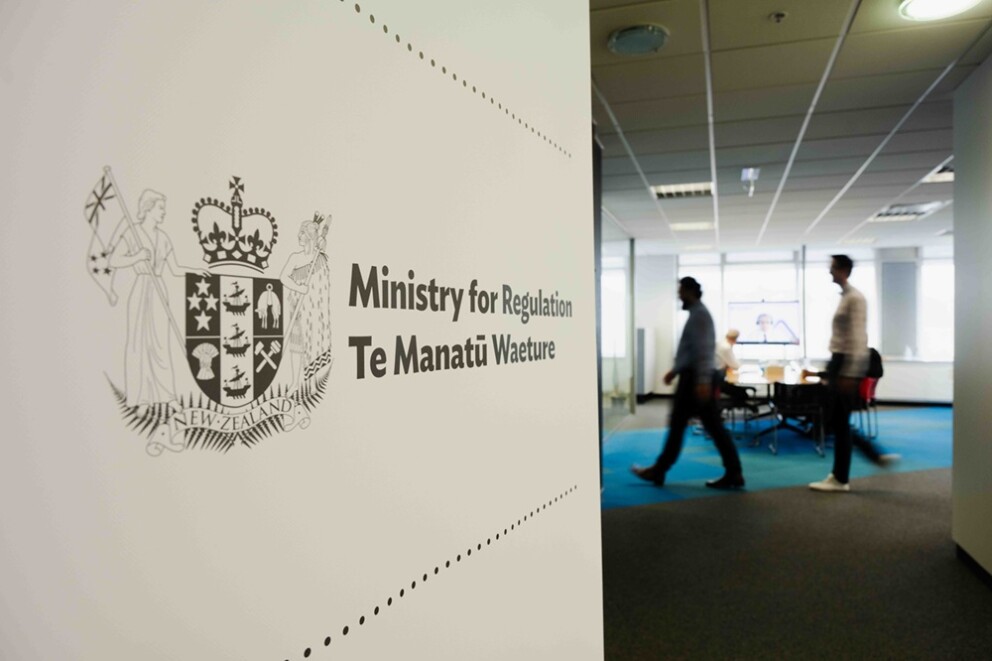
(881, 122)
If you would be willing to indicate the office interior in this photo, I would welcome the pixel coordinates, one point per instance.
(459, 514)
(757, 141)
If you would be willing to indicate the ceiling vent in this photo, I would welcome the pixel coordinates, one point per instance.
(941, 175)
(675, 191)
(904, 212)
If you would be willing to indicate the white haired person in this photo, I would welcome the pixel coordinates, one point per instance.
(307, 278)
(147, 250)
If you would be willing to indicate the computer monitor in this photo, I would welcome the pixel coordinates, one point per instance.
(765, 322)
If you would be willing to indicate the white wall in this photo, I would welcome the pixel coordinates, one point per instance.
(126, 541)
(655, 293)
(972, 473)
(916, 381)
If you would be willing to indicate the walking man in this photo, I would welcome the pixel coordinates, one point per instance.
(694, 362)
(847, 366)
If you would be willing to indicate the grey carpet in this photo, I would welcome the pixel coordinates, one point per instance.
(792, 574)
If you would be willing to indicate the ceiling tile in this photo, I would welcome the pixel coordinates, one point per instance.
(756, 104)
(931, 115)
(886, 89)
(771, 66)
(659, 113)
(660, 140)
(908, 141)
(980, 50)
(645, 80)
(757, 131)
(736, 24)
(911, 49)
(906, 160)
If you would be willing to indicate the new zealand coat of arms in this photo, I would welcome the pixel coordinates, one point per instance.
(257, 345)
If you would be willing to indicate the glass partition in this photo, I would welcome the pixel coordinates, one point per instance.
(618, 352)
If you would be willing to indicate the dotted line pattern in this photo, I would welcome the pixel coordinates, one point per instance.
(448, 564)
(493, 102)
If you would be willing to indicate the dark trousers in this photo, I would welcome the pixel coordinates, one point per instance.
(845, 439)
(685, 406)
(738, 395)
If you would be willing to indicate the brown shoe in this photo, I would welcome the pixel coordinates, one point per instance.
(649, 474)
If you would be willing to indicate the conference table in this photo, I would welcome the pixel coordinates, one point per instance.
(789, 395)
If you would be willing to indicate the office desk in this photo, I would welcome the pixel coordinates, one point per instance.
(790, 397)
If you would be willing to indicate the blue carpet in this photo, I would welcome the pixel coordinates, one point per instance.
(921, 435)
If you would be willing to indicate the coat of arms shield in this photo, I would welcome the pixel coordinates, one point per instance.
(234, 335)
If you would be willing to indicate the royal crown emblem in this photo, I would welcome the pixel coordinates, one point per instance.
(229, 234)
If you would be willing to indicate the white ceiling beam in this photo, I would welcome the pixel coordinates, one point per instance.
(704, 19)
(845, 30)
(632, 156)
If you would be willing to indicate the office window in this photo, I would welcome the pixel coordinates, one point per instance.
(699, 259)
(936, 310)
(711, 280)
(614, 321)
(761, 257)
(757, 282)
(822, 297)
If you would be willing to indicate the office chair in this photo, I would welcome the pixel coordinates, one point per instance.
(867, 408)
(804, 406)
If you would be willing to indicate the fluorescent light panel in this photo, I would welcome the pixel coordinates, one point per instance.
(942, 175)
(697, 226)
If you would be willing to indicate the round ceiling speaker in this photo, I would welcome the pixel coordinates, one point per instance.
(638, 40)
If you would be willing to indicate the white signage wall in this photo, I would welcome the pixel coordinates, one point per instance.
(972, 472)
(298, 337)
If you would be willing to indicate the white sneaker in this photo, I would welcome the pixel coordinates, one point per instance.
(831, 483)
(886, 460)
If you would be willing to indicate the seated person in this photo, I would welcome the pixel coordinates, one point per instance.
(727, 361)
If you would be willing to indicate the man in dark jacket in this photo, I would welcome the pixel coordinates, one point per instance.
(694, 361)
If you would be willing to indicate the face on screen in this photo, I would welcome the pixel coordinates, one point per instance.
(765, 322)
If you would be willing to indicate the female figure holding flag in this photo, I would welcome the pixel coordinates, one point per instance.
(144, 247)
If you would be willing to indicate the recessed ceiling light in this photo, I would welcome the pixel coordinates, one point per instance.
(638, 40)
(941, 175)
(692, 226)
(699, 189)
(933, 10)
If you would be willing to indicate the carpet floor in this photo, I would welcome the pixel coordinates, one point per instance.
(787, 573)
(923, 436)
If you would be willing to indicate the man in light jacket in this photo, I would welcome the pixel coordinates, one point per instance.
(848, 365)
